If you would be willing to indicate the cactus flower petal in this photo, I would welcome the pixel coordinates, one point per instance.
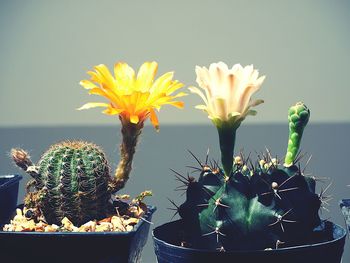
(91, 105)
(227, 101)
(133, 96)
(227, 92)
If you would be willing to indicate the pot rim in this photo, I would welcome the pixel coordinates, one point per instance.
(151, 210)
(13, 178)
(301, 247)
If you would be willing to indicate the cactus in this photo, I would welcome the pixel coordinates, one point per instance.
(70, 180)
(256, 206)
(298, 117)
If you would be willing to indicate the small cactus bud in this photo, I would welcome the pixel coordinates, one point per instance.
(21, 158)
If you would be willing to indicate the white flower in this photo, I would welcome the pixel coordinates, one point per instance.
(227, 92)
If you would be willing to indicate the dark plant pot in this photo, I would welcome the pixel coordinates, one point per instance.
(345, 209)
(326, 252)
(96, 247)
(8, 196)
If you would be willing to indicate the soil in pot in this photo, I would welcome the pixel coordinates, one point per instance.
(91, 247)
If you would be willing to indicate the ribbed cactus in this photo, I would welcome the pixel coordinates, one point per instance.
(256, 206)
(71, 180)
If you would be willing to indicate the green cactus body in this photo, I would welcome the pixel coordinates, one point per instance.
(298, 117)
(251, 211)
(73, 182)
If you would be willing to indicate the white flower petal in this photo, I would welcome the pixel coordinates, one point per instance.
(223, 66)
(255, 103)
(237, 68)
(228, 92)
(220, 106)
(200, 93)
(201, 107)
(260, 81)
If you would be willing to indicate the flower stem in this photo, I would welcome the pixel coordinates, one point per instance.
(130, 134)
(227, 138)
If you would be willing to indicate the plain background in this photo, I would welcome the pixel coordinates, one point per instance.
(46, 47)
(303, 47)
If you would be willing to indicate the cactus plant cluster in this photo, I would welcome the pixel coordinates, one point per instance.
(72, 178)
(257, 205)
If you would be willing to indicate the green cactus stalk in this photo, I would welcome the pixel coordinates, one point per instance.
(70, 180)
(298, 117)
(254, 207)
(227, 139)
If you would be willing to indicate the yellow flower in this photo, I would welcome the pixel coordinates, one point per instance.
(133, 97)
(227, 91)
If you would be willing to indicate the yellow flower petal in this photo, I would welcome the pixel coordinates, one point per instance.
(134, 98)
(105, 76)
(177, 104)
(124, 75)
(146, 75)
(174, 87)
(87, 84)
(180, 94)
(162, 82)
(91, 105)
(109, 95)
(154, 119)
(112, 111)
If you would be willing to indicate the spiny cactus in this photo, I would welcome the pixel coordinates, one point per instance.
(70, 180)
(256, 206)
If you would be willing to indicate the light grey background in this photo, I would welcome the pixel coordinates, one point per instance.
(157, 152)
(46, 47)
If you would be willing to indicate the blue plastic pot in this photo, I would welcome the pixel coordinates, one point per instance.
(166, 236)
(8, 196)
(95, 247)
(345, 209)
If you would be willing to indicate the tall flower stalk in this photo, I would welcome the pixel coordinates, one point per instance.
(227, 101)
(134, 98)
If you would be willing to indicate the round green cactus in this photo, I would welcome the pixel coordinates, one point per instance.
(70, 180)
